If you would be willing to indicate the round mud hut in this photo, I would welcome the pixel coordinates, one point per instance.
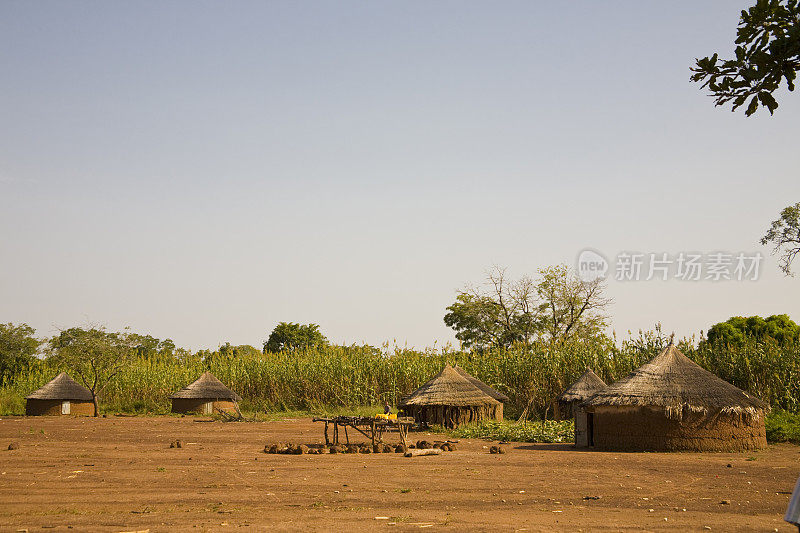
(450, 399)
(61, 396)
(673, 404)
(497, 395)
(204, 396)
(569, 403)
(584, 388)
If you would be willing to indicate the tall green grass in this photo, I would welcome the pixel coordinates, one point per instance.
(332, 377)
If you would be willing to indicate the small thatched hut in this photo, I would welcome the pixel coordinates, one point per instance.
(497, 395)
(671, 403)
(577, 393)
(568, 404)
(61, 396)
(450, 399)
(204, 396)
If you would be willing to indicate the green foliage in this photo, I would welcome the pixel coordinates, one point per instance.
(542, 431)
(94, 356)
(557, 306)
(784, 235)
(779, 329)
(783, 426)
(767, 53)
(18, 348)
(338, 379)
(288, 336)
(481, 322)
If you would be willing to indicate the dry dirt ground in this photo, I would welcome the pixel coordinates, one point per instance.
(119, 474)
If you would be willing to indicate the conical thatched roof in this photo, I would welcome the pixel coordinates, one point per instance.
(62, 387)
(207, 387)
(448, 387)
(675, 383)
(497, 395)
(584, 388)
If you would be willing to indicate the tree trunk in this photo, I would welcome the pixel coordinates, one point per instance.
(96, 407)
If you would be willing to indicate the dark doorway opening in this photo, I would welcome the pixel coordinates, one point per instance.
(590, 428)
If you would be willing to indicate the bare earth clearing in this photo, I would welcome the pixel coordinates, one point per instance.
(119, 474)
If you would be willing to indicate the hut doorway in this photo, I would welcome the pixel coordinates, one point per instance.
(590, 428)
(65, 407)
(208, 408)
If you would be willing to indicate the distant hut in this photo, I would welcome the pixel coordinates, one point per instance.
(580, 391)
(671, 403)
(497, 395)
(450, 399)
(204, 396)
(61, 396)
(568, 404)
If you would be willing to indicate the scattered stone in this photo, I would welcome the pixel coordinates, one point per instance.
(399, 449)
(13, 446)
(452, 446)
(730, 465)
(725, 502)
(300, 450)
(592, 497)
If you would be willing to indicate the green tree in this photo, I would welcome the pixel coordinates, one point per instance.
(94, 355)
(499, 313)
(502, 312)
(572, 307)
(767, 53)
(291, 336)
(784, 235)
(779, 329)
(18, 349)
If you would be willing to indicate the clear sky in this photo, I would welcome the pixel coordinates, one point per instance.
(204, 170)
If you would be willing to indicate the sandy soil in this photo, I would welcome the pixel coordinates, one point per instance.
(119, 474)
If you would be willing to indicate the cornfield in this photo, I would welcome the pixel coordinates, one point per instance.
(337, 376)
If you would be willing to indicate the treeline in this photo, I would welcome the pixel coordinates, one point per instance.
(316, 377)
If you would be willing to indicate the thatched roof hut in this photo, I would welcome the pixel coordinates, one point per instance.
(497, 395)
(671, 403)
(584, 388)
(450, 399)
(205, 395)
(60, 396)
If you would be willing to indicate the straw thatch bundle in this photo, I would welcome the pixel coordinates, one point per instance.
(497, 395)
(61, 387)
(450, 399)
(584, 388)
(61, 396)
(673, 382)
(671, 403)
